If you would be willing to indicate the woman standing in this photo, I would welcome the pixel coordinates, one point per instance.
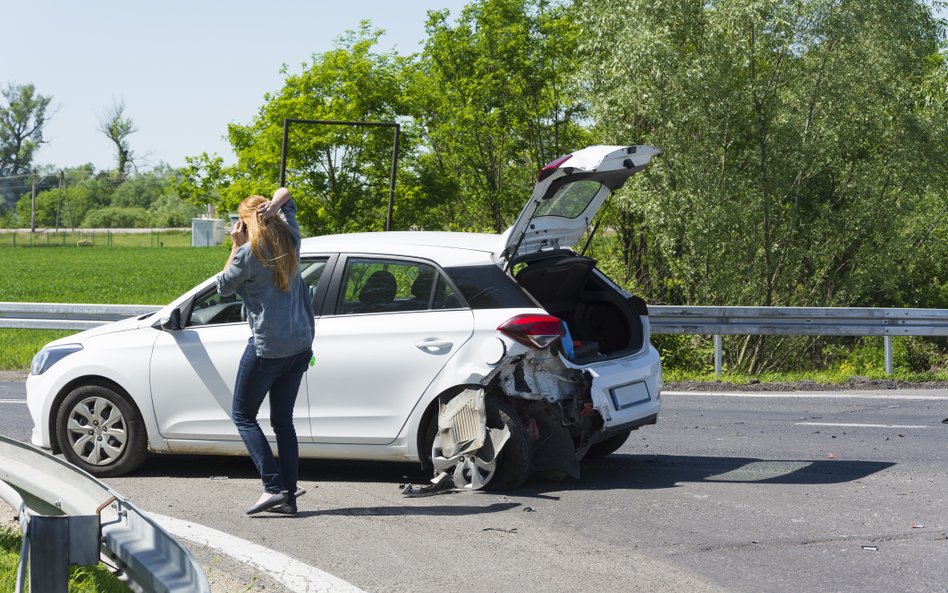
(264, 270)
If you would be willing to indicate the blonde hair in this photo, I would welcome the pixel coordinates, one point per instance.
(270, 241)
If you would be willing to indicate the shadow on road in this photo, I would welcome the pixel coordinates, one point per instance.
(618, 471)
(311, 470)
(647, 472)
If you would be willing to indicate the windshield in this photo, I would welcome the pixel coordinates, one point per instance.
(570, 200)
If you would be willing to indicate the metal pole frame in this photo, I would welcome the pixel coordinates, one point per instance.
(367, 124)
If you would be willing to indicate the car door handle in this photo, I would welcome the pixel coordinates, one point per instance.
(434, 345)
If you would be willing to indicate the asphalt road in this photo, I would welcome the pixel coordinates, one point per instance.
(841, 492)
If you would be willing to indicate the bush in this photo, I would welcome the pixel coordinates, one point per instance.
(114, 217)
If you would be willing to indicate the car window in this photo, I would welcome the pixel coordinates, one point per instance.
(388, 285)
(212, 309)
(488, 287)
(570, 200)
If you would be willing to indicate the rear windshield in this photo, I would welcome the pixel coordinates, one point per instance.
(489, 287)
(570, 200)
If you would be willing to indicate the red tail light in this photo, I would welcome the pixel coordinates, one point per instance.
(548, 170)
(535, 331)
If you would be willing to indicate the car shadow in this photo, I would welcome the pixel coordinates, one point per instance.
(651, 472)
(615, 472)
(311, 470)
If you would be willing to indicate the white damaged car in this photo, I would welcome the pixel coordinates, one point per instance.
(486, 357)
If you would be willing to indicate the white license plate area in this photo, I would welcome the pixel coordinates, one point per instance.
(626, 396)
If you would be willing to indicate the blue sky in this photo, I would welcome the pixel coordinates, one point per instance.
(184, 69)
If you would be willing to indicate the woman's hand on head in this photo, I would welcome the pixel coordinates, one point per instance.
(238, 233)
(268, 210)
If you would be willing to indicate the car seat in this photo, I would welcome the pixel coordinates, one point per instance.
(378, 292)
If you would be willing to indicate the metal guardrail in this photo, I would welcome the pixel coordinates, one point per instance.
(65, 316)
(801, 321)
(663, 319)
(37, 484)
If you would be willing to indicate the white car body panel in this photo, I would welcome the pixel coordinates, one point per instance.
(354, 398)
(192, 377)
(121, 357)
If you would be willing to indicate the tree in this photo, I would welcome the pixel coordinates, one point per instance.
(117, 127)
(204, 181)
(86, 191)
(339, 174)
(490, 94)
(800, 142)
(22, 119)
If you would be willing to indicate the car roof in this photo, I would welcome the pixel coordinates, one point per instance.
(446, 248)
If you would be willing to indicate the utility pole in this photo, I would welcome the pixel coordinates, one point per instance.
(33, 206)
(59, 200)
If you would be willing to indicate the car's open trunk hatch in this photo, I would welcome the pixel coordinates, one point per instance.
(602, 323)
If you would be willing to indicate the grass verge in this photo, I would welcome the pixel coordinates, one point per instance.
(823, 377)
(133, 275)
(82, 579)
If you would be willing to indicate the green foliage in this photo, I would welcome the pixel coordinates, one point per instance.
(789, 176)
(22, 119)
(866, 356)
(339, 174)
(115, 217)
(685, 353)
(93, 200)
(204, 181)
(490, 93)
(83, 191)
(170, 211)
(144, 189)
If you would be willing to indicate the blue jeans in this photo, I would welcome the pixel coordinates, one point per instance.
(280, 377)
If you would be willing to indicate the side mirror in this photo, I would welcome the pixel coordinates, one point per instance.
(170, 323)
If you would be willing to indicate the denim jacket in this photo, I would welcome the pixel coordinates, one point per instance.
(282, 323)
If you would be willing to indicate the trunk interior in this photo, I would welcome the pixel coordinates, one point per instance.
(602, 322)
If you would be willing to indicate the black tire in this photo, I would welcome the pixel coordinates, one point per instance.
(515, 462)
(100, 431)
(608, 446)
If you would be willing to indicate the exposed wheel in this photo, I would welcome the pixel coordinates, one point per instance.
(608, 446)
(485, 468)
(100, 431)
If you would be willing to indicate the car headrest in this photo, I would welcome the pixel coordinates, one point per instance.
(379, 289)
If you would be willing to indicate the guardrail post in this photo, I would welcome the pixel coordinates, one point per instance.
(55, 543)
(717, 356)
(887, 341)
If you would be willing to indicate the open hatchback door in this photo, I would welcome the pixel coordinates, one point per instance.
(567, 196)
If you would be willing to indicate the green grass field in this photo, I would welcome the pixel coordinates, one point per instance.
(133, 275)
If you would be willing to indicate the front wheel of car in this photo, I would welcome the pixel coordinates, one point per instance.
(100, 431)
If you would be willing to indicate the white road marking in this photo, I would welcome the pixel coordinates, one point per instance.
(896, 395)
(858, 425)
(12, 401)
(292, 574)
